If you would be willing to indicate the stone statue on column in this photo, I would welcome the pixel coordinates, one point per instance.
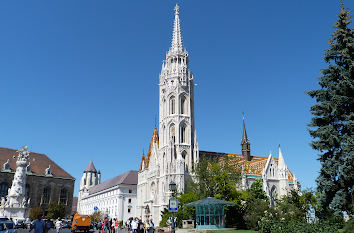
(15, 205)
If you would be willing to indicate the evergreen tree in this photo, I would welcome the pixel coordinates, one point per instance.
(333, 122)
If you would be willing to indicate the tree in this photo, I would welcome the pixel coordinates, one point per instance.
(35, 211)
(333, 122)
(216, 178)
(96, 216)
(56, 210)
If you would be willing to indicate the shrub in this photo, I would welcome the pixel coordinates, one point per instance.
(274, 226)
(349, 226)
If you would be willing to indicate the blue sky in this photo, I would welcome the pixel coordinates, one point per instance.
(78, 79)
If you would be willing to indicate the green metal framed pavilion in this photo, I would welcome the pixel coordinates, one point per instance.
(210, 213)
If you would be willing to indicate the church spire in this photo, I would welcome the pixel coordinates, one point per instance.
(177, 44)
(245, 143)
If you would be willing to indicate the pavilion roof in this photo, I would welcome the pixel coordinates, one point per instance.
(210, 201)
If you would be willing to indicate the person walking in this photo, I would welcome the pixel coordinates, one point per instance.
(152, 225)
(135, 224)
(58, 225)
(146, 226)
(38, 225)
(116, 225)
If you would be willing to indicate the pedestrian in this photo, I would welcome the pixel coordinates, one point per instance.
(109, 225)
(58, 225)
(38, 225)
(105, 224)
(99, 226)
(152, 225)
(147, 226)
(135, 224)
(116, 225)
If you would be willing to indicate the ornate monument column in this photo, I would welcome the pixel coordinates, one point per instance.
(16, 206)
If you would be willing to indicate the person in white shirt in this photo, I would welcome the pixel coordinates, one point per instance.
(135, 225)
(58, 225)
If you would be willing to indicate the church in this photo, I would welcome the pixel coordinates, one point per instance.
(174, 151)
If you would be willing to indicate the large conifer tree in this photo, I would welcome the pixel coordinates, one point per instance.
(333, 122)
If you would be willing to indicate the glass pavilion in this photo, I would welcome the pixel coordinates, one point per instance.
(209, 213)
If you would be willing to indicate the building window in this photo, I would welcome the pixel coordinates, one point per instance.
(172, 105)
(183, 134)
(129, 200)
(129, 210)
(46, 195)
(130, 191)
(63, 196)
(183, 105)
(172, 132)
(3, 189)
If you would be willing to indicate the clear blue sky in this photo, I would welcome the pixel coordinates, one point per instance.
(78, 78)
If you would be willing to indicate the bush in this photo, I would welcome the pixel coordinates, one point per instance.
(56, 210)
(273, 226)
(349, 226)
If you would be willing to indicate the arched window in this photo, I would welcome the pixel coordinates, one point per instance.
(172, 105)
(172, 132)
(46, 195)
(273, 195)
(63, 196)
(186, 159)
(3, 189)
(183, 105)
(183, 134)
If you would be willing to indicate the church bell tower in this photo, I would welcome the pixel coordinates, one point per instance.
(176, 106)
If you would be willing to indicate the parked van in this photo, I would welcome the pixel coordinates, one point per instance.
(81, 223)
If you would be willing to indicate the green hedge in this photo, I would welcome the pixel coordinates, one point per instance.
(271, 226)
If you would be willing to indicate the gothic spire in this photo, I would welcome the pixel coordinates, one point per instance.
(177, 44)
(281, 161)
(245, 143)
(244, 133)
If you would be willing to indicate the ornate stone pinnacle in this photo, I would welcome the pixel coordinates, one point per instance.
(176, 9)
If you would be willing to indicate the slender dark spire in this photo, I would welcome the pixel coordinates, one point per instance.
(245, 143)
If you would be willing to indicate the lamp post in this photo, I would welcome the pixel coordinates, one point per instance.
(172, 187)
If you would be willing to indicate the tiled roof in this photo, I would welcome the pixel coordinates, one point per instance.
(254, 167)
(154, 139)
(90, 167)
(142, 162)
(38, 163)
(130, 177)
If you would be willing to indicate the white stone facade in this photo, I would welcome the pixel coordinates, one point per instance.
(173, 152)
(172, 156)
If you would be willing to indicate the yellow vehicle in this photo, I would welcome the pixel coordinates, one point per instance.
(81, 223)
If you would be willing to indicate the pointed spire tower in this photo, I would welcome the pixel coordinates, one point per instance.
(245, 143)
(177, 44)
(176, 109)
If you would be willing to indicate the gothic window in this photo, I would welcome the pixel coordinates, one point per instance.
(183, 105)
(172, 105)
(172, 132)
(183, 134)
(46, 195)
(186, 161)
(63, 196)
(3, 189)
(273, 195)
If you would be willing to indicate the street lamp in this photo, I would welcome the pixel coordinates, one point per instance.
(173, 188)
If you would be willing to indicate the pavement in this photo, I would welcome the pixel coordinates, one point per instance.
(64, 231)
